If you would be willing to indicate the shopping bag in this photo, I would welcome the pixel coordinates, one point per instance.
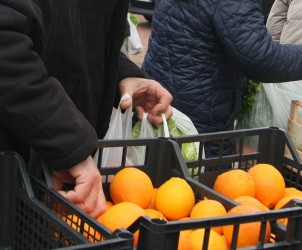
(280, 96)
(120, 127)
(135, 45)
(184, 126)
(260, 115)
(144, 129)
(178, 125)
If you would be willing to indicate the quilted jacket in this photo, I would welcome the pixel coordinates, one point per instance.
(285, 20)
(59, 67)
(203, 51)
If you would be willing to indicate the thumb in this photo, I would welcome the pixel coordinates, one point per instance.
(126, 101)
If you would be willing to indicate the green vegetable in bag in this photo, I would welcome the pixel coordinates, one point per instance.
(188, 150)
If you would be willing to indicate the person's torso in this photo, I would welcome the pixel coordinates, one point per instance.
(82, 47)
(186, 55)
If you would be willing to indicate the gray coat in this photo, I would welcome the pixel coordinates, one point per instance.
(285, 21)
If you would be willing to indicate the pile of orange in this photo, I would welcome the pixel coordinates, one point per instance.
(248, 234)
(133, 195)
(267, 192)
(262, 181)
(259, 189)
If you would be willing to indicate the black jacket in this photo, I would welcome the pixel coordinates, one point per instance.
(59, 67)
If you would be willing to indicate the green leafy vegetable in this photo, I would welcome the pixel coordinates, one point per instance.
(188, 150)
(248, 99)
(134, 19)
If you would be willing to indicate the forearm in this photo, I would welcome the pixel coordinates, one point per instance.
(35, 108)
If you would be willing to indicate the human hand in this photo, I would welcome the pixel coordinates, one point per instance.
(87, 193)
(147, 96)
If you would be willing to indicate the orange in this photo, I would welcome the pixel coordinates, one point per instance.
(76, 223)
(109, 204)
(208, 208)
(175, 199)
(132, 185)
(122, 215)
(184, 242)
(226, 242)
(234, 183)
(248, 234)
(215, 241)
(270, 185)
(292, 191)
(152, 201)
(154, 214)
(282, 202)
(185, 218)
(249, 200)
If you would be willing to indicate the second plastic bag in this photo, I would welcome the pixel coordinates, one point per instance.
(178, 125)
(144, 129)
(280, 96)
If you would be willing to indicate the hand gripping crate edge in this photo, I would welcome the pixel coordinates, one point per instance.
(28, 224)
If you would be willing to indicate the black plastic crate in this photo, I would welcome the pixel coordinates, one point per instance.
(158, 162)
(164, 160)
(29, 223)
(270, 145)
(167, 233)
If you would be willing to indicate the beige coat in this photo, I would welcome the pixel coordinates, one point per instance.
(285, 21)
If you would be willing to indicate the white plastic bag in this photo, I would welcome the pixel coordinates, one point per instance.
(135, 45)
(184, 123)
(136, 155)
(119, 128)
(163, 130)
(280, 96)
(260, 115)
(186, 126)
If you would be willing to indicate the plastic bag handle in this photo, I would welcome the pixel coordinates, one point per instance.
(165, 125)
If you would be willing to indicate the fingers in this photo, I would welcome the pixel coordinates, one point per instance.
(100, 207)
(89, 198)
(87, 193)
(157, 118)
(154, 118)
(163, 100)
(125, 104)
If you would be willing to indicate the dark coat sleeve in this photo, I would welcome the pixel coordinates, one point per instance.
(128, 68)
(250, 45)
(34, 106)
